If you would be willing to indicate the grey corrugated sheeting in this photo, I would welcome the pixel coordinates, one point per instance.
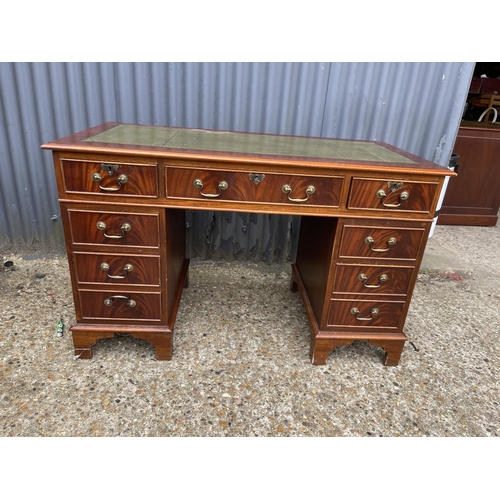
(414, 106)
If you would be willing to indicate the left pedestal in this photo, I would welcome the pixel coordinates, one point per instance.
(128, 271)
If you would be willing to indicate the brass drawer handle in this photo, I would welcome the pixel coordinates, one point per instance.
(382, 194)
(222, 186)
(109, 300)
(370, 241)
(364, 278)
(124, 228)
(127, 269)
(355, 311)
(288, 190)
(122, 179)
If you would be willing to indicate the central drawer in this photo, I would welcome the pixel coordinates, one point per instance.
(202, 184)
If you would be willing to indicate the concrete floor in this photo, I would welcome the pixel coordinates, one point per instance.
(241, 364)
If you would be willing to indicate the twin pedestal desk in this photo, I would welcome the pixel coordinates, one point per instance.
(366, 209)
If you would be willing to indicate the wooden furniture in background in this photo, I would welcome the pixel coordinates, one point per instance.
(367, 209)
(491, 108)
(473, 197)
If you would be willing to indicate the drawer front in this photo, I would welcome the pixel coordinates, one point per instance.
(377, 242)
(112, 228)
(120, 306)
(392, 195)
(110, 179)
(375, 280)
(199, 184)
(117, 269)
(365, 314)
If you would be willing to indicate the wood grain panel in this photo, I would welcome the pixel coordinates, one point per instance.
(142, 179)
(146, 269)
(407, 246)
(420, 195)
(314, 254)
(241, 188)
(347, 279)
(388, 317)
(144, 228)
(473, 197)
(147, 308)
(175, 264)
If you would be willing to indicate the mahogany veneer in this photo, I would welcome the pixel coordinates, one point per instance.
(117, 269)
(367, 209)
(473, 197)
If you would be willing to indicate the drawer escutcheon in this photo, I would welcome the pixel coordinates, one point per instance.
(256, 178)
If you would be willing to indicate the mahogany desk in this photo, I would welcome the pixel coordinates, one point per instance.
(367, 209)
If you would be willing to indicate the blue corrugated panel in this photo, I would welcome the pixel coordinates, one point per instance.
(415, 106)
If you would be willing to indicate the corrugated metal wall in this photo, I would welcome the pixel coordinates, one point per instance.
(414, 106)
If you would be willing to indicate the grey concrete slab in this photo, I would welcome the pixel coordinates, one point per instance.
(241, 365)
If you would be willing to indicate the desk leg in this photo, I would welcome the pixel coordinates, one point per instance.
(393, 350)
(321, 347)
(318, 351)
(85, 336)
(163, 343)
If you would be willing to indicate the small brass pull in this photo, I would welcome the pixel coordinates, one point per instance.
(222, 186)
(288, 190)
(109, 301)
(364, 278)
(382, 194)
(122, 179)
(370, 241)
(127, 269)
(355, 311)
(124, 228)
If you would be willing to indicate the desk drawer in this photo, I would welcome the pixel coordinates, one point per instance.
(392, 195)
(374, 280)
(365, 314)
(110, 179)
(114, 228)
(120, 306)
(381, 242)
(114, 269)
(201, 184)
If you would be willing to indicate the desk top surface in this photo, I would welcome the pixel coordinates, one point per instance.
(212, 145)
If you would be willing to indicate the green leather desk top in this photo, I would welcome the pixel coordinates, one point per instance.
(245, 143)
